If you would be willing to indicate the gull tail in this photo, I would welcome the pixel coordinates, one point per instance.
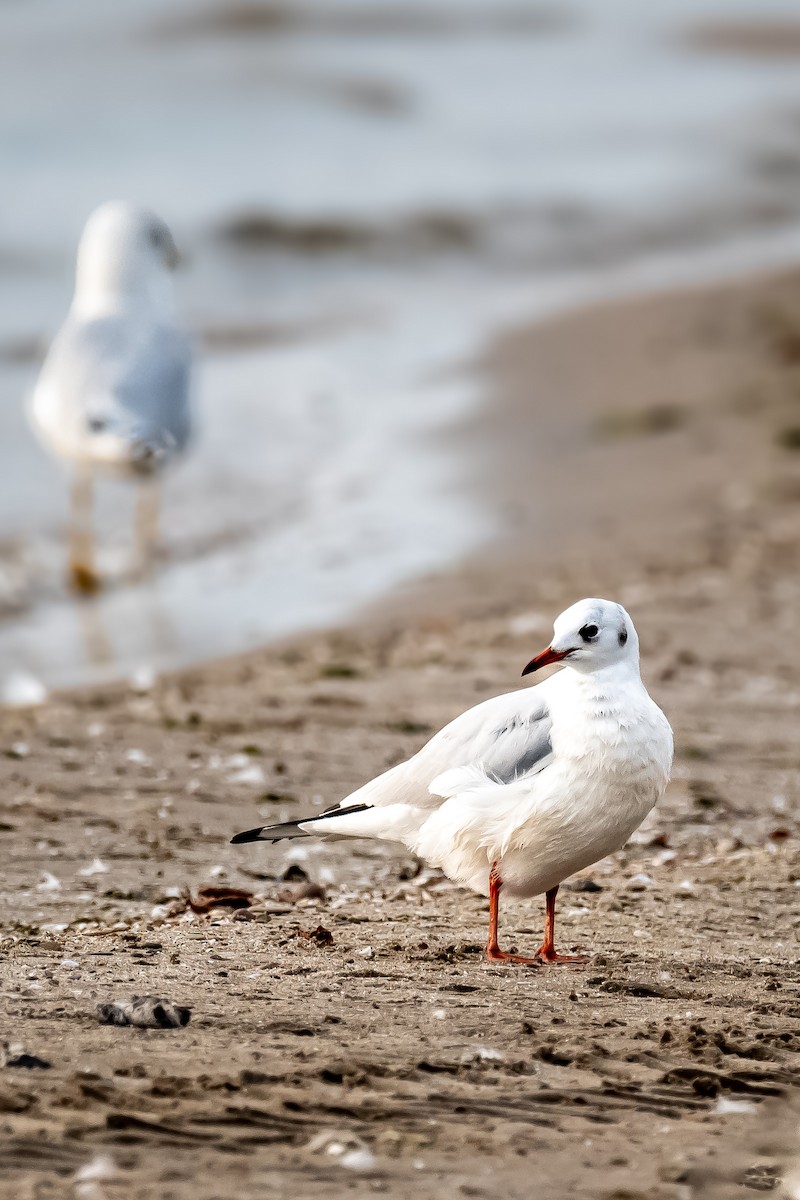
(270, 833)
(316, 826)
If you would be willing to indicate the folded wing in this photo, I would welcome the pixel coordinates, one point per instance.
(117, 376)
(501, 740)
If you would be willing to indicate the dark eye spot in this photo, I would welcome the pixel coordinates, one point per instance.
(96, 424)
(623, 636)
(589, 632)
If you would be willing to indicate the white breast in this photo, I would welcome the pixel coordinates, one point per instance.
(612, 756)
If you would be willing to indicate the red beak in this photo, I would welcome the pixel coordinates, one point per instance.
(544, 659)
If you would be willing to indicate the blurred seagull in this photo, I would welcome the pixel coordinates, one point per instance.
(113, 394)
(523, 790)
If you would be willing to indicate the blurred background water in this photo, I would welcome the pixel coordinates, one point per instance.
(367, 192)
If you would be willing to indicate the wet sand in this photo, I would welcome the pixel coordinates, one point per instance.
(329, 303)
(357, 1043)
(770, 39)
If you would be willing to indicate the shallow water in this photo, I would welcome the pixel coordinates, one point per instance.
(367, 193)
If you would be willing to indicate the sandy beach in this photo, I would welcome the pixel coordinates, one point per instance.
(346, 1036)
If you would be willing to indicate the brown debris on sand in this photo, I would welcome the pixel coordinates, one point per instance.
(211, 896)
(319, 936)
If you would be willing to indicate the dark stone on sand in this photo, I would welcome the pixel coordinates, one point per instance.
(29, 1061)
(145, 1012)
(294, 873)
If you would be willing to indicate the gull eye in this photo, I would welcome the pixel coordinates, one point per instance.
(589, 632)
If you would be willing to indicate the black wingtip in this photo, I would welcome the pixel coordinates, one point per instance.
(249, 835)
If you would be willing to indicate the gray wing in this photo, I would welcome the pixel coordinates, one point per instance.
(120, 375)
(501, 740)
(522, 747)
(505, 738)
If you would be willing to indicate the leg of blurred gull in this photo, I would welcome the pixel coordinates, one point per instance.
(81, 571)
(147, 510)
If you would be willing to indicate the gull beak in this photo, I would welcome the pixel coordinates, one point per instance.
(544, 659)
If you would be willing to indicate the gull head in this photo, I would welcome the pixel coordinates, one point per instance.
(126, 254)
(590, 636)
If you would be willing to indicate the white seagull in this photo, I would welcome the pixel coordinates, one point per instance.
(525, 789)
(113, 394)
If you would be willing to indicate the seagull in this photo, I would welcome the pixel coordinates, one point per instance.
(527, 788)
(113, 394)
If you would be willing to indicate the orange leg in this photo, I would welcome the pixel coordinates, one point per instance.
(493, 951)
(147, 506)
(81, 572)
(547, 950)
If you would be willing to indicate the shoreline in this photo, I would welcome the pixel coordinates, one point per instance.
(591, 435)
(625, 426)
(325, 567)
